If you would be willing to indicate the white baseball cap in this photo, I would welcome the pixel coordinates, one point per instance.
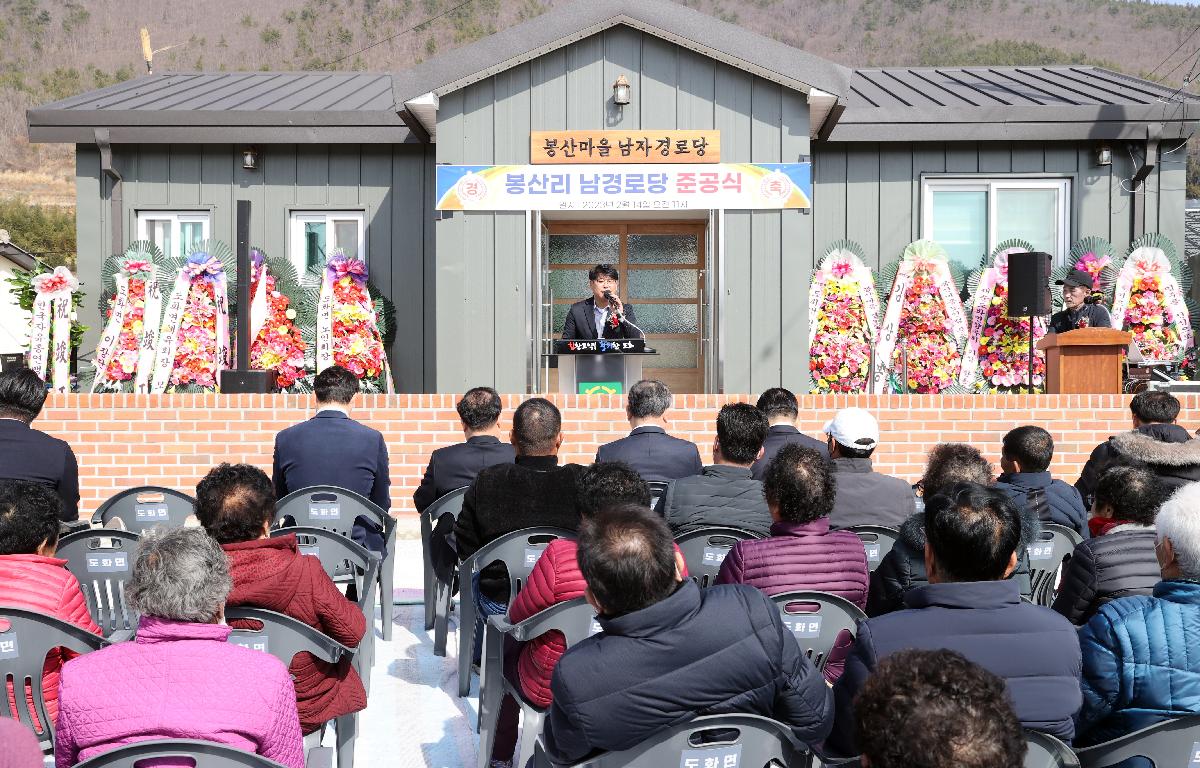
(852, 427)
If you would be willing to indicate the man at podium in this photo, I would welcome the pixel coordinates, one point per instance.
(603, 316)
(1078, 311)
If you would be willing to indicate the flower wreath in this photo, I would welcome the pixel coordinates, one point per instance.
(193, 344)
(1095, 256)
(1149, 300)
(843, 318)
(133, 284)
(276, 340)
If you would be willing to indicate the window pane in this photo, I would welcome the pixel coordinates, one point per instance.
(663, 249)
(667, 318)
(1030, 214)
(314, 244)
(672, 353)
(570, 284)
(559, 317)
(190, 233)
(158, 231)
(960, 225)
(345, 234)
(585, 249)
(662, 284)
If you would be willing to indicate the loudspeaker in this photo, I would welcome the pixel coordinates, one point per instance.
(1028, 284)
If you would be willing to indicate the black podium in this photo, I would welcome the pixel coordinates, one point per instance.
(599, 366)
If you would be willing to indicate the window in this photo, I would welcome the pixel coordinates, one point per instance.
(969, 217)
(173, 231)
(313, 234)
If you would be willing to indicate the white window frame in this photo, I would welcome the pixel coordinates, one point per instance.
(298, 218)
(991, 185)
(204, 218)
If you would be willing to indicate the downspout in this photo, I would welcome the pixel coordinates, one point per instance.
(116, 207)
(1149, 160)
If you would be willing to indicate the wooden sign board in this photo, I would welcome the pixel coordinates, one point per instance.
(601, 147)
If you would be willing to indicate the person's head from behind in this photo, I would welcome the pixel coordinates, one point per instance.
(479, 410)
(647, 402)
(741, 430)
(853, 433)
(181, 574)
(1026, 449)
(608, 484)
(335, 386)
(951, 463)
(22, 395)
(936, 709)
(235, 502)
(971, 534)
(537, 428)
(798, 485)
(28, 518)
(628, 560)
(779, 405)
(1132, 494)
(1153, 407)
(1177, 525)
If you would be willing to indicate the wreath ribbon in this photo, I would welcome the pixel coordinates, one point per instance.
(50, 332)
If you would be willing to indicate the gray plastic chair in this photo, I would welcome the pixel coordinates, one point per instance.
(1045, 751)
(519, 551)
(1172, 743)
(140, 509)
(207, 754)
(756, 741)
(334, 509)
(657, 489)
(448, 504)
(816, 619)
(575, 619)
(1047, 554)
(705, 549)
(102, 560)
(25, 639)
(283, 637)
(877, 540)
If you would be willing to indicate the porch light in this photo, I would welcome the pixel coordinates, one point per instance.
(621, 91)
(250, 158)
(1104, 155)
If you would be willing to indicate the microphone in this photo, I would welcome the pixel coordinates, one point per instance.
(616, 313)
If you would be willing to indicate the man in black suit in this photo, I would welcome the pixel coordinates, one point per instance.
(603, 315)
(655, 455)
(782, 410)
(333, 449)
(457, 465)
(26, 453)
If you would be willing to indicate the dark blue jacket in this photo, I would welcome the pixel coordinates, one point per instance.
(654, 454)
(1033, 648)
(1140, 664)
(779, 436)
(1053, 500)
(27, 454)
(698, 652)
(457, 465)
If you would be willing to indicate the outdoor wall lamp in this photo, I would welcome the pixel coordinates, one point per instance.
(1104, 155)
(621, 91)
(250, 158)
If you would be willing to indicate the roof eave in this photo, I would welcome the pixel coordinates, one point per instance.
(224, 134)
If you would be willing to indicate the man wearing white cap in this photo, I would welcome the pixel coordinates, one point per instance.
(864, 496)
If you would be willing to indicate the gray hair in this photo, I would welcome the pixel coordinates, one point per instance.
(1178, 519)
(181, 574)
(649, 398)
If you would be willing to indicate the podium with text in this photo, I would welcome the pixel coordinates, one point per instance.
(599, 366)
(1084, 361)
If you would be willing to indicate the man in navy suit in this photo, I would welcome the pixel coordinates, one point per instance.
(26, 453)
(603, 315)
(782, 410)
(456, 465)
(333, 449)
(654, 454)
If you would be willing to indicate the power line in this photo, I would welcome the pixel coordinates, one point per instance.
(431, 19)
(1172, 53)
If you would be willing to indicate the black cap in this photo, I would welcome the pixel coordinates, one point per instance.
(1077, 277)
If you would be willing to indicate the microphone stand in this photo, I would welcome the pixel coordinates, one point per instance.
(621, 319)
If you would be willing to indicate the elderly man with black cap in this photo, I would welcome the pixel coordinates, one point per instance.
(1077, 312)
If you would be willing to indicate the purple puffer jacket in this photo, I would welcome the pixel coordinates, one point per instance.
(177, 680)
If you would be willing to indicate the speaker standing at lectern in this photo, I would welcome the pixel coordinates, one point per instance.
(603, 316)
(1079, 312)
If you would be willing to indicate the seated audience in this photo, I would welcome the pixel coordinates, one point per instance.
(972, 534)
(1025, 462)
(1118, 561)
(180, 679)
(864, 496)
(657, 456)
(26, 453)
(21, 748)
(31, 577)
(726, 494)
(670, 650)
(936, 709)
(1140, 665)
(782, 410)
(457, 465)
(235, 504)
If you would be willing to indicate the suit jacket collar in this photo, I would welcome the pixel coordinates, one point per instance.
(330, 415)
(648, 429)
(537, 463)
(482, 440)
(783, 429)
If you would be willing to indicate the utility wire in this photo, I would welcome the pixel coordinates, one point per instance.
(431, 19)
(1172, 53)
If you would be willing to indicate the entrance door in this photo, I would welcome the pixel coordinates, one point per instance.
(662, 276)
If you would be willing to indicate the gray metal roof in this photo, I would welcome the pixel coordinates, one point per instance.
(1010, 103)
(18, 255)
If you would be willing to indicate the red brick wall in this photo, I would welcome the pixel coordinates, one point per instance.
(172, 440)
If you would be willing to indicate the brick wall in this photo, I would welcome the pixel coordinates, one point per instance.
(172, 440)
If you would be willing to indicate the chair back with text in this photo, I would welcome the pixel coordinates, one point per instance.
(817, 620)
(1172, 743)
(657, 489)
(102, 560)
(448, 504)
(140, 509)
(205, 754)
(1047, 554)
(705, 549)
(1044, 751)
(877, 540)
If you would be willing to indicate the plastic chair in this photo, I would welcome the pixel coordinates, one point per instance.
(207, 754)
(657, 489)
(140, 509)
(102, 560)
(1047, 553)
(575, 619)
(877, 540)
(448, 504)
(519, 551)
(816, 619)
(756, 741)
(1172, 743)
(705, 549)
(334, 509)
(283, 637)
(25, 639)
(1045, 751)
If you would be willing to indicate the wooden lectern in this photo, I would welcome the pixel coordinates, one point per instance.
(1084, 361)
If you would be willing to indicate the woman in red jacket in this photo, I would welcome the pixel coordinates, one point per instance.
(235, 503)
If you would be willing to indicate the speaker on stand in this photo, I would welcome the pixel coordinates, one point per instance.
(1029, 292)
